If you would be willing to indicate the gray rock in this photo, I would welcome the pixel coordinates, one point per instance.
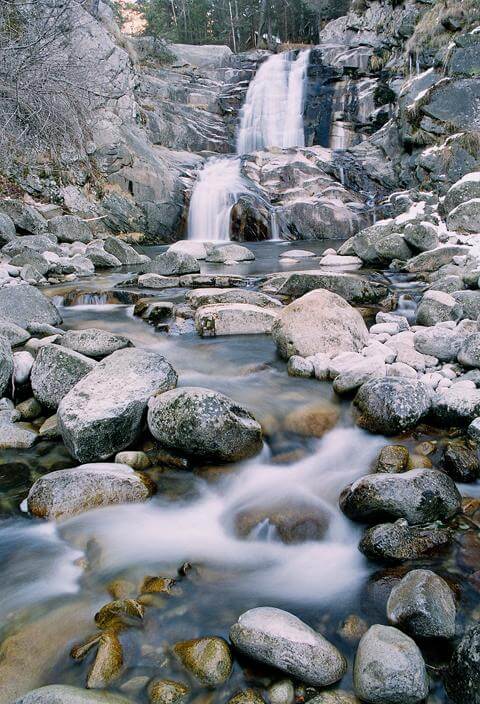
(65, 694)
(365, 243)
(16, 437)
(32, 243)
(419, 495)
(455, 102)
(124, 252)
(456, 405)
(25, 217)
(234, 319)
(24, 305)
(449, 284)
(6, 364)
(392, 405)
(467, 188)
(70, 228)
(104, 411)
(13, 333)
(67, 492)
(22, 366)
(229, 252)
(319, 321)
(354, 289)
(94, 342)
(465, 217)
(469, 352)
(470, 302)
(389, 668)
(358, 373)
(7, 229)
(158, 281)
(173, 263)
(102, 259)
(55, 372)
(438, 341)
(422, 604)
(300, 366)
(422, 236)
(435, 258)
(474, 430)
(208, 296)
(462, 680)
(279, 639)
(437, 307)
(460, 460)
(393, 247)
(204, 423)
(31, 259)
(397, 542)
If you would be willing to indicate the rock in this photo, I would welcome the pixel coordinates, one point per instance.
(300, 366)
(396, 542)
(157, 281)
(460, 461)
(247, 696)
(281, 640)
(32, 243)
(93, 342)
(474, 430)
(419, 495)
(456, 404)
(134, 459)
(364, 243)
(312, 420)
(469, 352)
(435, 258)
(359, 372)
(465, 217)
(438, 341)
(167, 692)
(65, 694)
(125, 253)
(437, 307)
(282, 692)
(7, 229)
(208, 296)
(228, 253)
(25, 305)
(319, 321)
(120, 610)
(423, 605)
(6, 365)
(172, 263)
(68, 492)
(352, 629)
(393, 247)
(354, 289)
(104, 412)
(208, 659)
(392, 405)
(294, 521)
(389, 668)
(29, 409)
(108, 661)
(234, 319)
(13, 333)
(197, 250)
(27, 220)
(69, 228)
(101, 259)
(470, 303)
(55, 372)
(49, 429)
(204, 423)
(467, 188)
(462, 680)
(422, 236)
(337, 696)
(15, 436)
(392, 459)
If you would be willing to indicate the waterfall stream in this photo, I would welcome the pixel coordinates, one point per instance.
(271, 117)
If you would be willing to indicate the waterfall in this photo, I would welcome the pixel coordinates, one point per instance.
(271, 117)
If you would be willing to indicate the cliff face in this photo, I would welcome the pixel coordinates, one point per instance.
(392, 85)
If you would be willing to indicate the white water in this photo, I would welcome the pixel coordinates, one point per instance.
(202, 531)
(271, 117)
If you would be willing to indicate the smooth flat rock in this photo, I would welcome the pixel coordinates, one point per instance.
(55, 372)
(208, 296)
(65, 694)
(94, 342)
(25, 305)
(234, 319)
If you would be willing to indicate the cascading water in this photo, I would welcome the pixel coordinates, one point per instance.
(271, 117)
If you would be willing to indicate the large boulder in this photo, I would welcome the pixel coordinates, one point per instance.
(66, 694)
(422, 603)
(6, 364)
(397, 542)
(173, 263)
(319, 321)
(124, 252)
(462, 680)
(434, 259)
(279, 639)
(419, 495)
(438, 341)
(455, 102)
(204, 423)
(463, 190)
(389, 668)
(55, 372)
(27, 220)
(70, 228)
(437, 307)
(24, 305)
(67, 492)
(392, 404)
(456, 405)
(465, 217)
(94, 342)
(225, 253)
(469, 352)
(234, 319)
(354, 289)
(212, 296)
(104, 411)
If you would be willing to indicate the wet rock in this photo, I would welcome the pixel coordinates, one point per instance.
(123, 610)
(389, 668)
(49, 429)
(300, 366)
(158, 585)
(282, 692)
(465, 217)
(67, 492)
(419, 495)
(24, 305)
(437, 307)
(294, 521)
(104, 411)
(6, 364)
(108, 662)
(279, 639)
(208, 659)
(392, 459)
(208, 296)
(69, 229)
(229, 253)
(312, 420)
(392, 404)
(352, 629)
(65, 694)
(202, 422)
(320, 321)
(247, 696)
(167, 692)
(94, 342)
(456, 404)
(462, 680)
(460, 460)
(234, 319)
(337, 696)
(55, 372)
(29, 409)
(13, 333)
(134, 459)
(397, 542)
(173, 263)
(422, 604)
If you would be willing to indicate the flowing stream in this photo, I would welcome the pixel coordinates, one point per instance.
(271, 117)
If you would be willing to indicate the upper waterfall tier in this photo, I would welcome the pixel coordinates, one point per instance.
(273, 112)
